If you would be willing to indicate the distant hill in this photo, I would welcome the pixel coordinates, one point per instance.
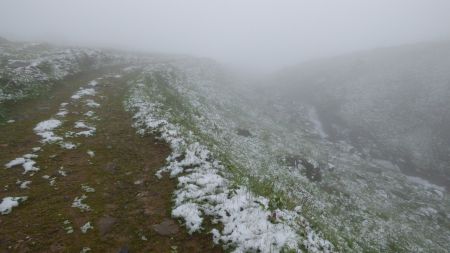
(3, 40)
(390, 103)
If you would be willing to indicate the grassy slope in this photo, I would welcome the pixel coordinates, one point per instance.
(339, 204)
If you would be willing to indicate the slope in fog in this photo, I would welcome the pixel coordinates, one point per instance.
(392, 104)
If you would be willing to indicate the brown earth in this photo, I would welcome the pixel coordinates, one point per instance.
(130, 206)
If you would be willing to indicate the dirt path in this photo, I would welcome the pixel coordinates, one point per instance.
(102, 195)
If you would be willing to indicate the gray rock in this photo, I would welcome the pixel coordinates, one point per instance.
(124, 249)
(166, 228)
(111, 167)
(105, 225)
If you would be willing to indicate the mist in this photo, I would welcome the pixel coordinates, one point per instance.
(225, 126)
(256, 35)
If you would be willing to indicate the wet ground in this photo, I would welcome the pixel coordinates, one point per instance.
(123, 207)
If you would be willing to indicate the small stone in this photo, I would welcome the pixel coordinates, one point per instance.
(111, 167)
(124, 249)
(57, 247)
(105, 225)
(166, 228)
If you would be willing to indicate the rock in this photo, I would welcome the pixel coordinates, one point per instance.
(111, 206)
(124, 249)
(166, 228)
(243, 132)
(57, 247)
(105, 225)
(111, 167)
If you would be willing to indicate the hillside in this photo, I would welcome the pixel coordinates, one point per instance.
(200, 160)
(391, 104)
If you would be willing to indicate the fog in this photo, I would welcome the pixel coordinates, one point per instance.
(318, 125)
(263, 35)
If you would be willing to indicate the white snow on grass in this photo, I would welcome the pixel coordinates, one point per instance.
(30, 156)
(52, 181)
(62, 113)
(87, 188)
(81, 124)
(93, 83)
(47, 125)
(15, 162)
(62, 172)
(36, 149)
(92, 103)
(26, 161)
(28, 166)
(45, 130)
(85, 250)
(10, 121)
(67, 145)
(83, 92)
(86, 227)
(68, 228)
(24, 184)
(86, 133)
(89, 114)
(90, 153)
(203, 190)
(78, 203)
(89, 132)
(8, 203)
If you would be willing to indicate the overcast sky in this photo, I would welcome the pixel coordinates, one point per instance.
(260, 34)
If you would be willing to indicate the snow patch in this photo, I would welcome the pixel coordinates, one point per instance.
(8, 203)
(26, 162)
(89, 114)
(87, 188)
(83, 92)
(90, 132)
(24, 184)
(78, 203)
(15, 162)
(44, 129)
(93, 83)
(36, 149)
(90, 153)
(67, 145)
(62, 113)
(86, 227)
(92, 103)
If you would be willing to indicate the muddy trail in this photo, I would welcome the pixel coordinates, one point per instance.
(88, 178)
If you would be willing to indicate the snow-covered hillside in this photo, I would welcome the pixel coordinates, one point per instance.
(31, 68)
(392, 103)
(276, 148)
